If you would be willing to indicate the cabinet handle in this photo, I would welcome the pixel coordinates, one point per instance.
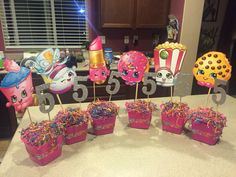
(78, 86)
(44, 98)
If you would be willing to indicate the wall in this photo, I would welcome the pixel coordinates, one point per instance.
(1, 38)
(190, 32)
(211, 28)
(115, 37)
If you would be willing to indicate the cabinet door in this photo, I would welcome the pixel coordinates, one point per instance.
(152, 13)
(117, 13)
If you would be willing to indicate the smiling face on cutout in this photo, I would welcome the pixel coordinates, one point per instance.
(20, 97)
(98, 75)
(133, 65)
(211, 66)
(63, 81)
(165, 78)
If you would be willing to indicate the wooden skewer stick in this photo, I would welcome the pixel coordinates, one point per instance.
(148, 97)
(27, 109)
(208, 96)
(59, 99)
(110, 97)
(136, 92)
(49, 117)
(94, 91)
(171, 93)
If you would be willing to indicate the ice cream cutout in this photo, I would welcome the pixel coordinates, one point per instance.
(168, 60)
(132, 65)
(211, 66)
(98, 71)
(62, 79)
(53, 71)
(17, 86)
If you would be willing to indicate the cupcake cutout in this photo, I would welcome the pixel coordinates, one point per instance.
(17, 86)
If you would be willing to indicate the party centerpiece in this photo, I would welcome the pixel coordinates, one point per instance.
(168, 59)
(75, 123)
(103, 114)
(210, 70)
(207, 125)
(174, 116)
(43, 141)
(140, 113)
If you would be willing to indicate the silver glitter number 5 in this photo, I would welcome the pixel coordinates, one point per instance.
(219, 90)
(78, 86)
(44, 97)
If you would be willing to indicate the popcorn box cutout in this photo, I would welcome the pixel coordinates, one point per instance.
(104, 125)
(168, 60)
(139, 120)
(76, 133)
(172, 124)
(46, 153)
(205, 133)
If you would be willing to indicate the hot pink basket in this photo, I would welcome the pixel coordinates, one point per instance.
(46, 153)
(205, 133)
(104, 125)
(139, 119)
(172, 124)
(76, 133)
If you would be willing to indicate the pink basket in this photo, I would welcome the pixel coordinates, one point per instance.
(46, 153)
(105, 125)
(139, 120)
(205, 133)
(172, 124)
(76, 133)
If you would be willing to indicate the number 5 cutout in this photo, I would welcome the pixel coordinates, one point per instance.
(219, 90)
(115, 81)
(78, 86)
(44, 97)
(150, 82)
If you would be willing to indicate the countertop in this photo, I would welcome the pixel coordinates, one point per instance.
(132, 152)
(84, 66)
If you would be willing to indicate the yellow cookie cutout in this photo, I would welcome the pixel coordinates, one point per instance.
(212, 65)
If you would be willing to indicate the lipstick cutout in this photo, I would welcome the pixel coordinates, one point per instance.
(98, 71)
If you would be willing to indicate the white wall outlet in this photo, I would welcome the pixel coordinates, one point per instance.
(103, 39)
(135, 38)
(126, 39)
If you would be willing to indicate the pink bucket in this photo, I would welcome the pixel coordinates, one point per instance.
(172, 124)
(76, 133)
(139, 120)
(105, 125)
(205, 133)
(46, 153)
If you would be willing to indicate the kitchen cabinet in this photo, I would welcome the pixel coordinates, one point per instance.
(134, 13)
(8, 122)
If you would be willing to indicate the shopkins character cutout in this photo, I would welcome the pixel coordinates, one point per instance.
(43, 63)
(98, 71)
(212, 65)
(17, 86)
(61, 79)
(99, 75)
(168, 59)
(132, 65)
